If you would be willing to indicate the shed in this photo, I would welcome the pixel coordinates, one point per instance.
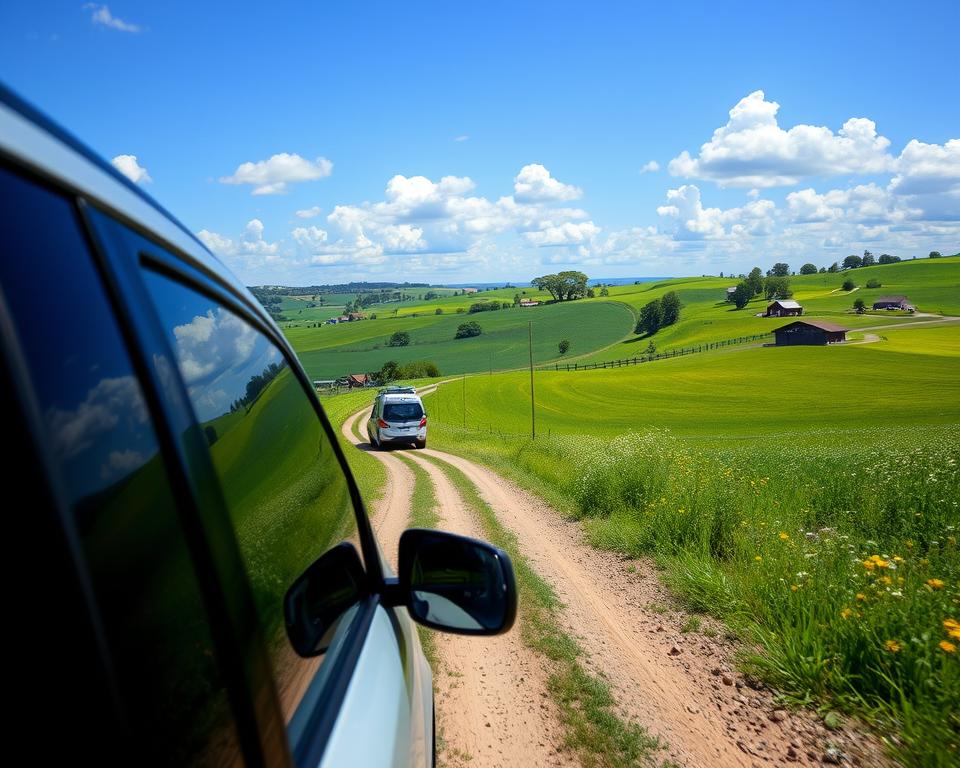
(730, 291)
(357, 380)
(784, 308)
(813, 332)
(890, 302)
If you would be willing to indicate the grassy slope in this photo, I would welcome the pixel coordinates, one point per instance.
(332, 351)
(730, 392)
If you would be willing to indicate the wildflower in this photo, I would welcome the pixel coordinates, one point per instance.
(893, 646)
(846, 613)
(897, 559)
(784, 536)
(886, 580)
(861, 597)
(758, 559)
(947, 646)
(869, 565)
(935, 583)
(794, 587)
(951, 624)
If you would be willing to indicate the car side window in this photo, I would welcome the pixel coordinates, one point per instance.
(113, 479)
(284, 488)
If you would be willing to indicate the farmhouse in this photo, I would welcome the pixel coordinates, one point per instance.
(730, 292)
(355, 380)
(815, 332)
(469, 290)
(784, 308)
(529, 303)
(891, 302)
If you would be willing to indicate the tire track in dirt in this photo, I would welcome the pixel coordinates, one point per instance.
(492, 700)
(681, 687)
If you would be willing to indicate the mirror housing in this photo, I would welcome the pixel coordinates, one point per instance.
(316, 601)
(455, 583)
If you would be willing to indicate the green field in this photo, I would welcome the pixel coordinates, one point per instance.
(807, 496)
(331, 351)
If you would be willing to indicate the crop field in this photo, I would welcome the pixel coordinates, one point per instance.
(332, 351)
(809, 497)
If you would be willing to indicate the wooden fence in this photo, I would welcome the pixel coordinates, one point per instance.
(706, 347)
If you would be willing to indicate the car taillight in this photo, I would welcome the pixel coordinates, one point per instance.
(423, 421)
(382, 424)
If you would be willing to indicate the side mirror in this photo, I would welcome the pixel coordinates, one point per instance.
(317, 600)
(456, 584)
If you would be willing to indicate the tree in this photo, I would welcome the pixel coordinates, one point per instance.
(399, 339)
(564, 286)
(886, 258)
(651, 349)
(868, 260)
(834, 267)
(823, 270)
(604, 291)
(651, 318)
(873, 283)
(780, 270)
(859, 306)
(438, 311)
(776, 287)
(466, 330)
(670, 307)
(591, 294)
(848, 285)
(852, 262)
(563, 346)
(934, 255)
(755, 282)
(808, 269)
(389, 372)
(742, 295)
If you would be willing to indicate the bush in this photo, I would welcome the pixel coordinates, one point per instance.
(466, 330)
(485, 306)
(399, 339)
(563, 346)
(848, 285)
(859, 306)
(419, 369)
(439, 311)
(873, 283)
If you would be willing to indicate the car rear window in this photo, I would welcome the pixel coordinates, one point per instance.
(402, 411)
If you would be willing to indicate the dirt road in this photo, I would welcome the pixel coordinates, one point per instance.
(492, 697)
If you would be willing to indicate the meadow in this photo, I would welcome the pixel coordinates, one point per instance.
(331, 351)
(808, 497)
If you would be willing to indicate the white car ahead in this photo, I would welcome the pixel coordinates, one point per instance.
(397, 418)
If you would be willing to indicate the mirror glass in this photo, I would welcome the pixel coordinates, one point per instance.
(456, 583)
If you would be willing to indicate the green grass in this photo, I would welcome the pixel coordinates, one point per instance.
(331, 351)
(587, 707)
(768, 483)
(369, 473)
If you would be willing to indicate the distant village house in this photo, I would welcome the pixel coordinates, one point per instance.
(529, 303)
(892, 302)
(469, 290)
(730, 292)
(810, 332)
(355, 380)
(784, 308)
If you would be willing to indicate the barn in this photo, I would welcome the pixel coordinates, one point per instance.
(891, 302)
(814, 332)
(784, 308)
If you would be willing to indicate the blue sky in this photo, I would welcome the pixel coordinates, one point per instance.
(451, 142)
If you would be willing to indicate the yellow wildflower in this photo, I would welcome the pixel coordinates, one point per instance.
(951, 624)
(758, 559)
(893, 646)
(935, 583)
(794, 587)
(846, 613)
(954, 633)
(861, 597)
(869, 565)
(886, 580)
(948, 646)
(897, 559)
(784, 535)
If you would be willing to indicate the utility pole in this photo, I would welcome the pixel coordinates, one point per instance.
(533, 412)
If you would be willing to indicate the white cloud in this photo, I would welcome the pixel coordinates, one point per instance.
(251, 247)
(689, 220)
(214, 342)
(310, 237)
(651, 167)
(927, 168)
(567, 233)
(463, 137)
(129, 167)
(752, 150)
(309, 213)
(101, 15)
(272, 177)
(535, 184)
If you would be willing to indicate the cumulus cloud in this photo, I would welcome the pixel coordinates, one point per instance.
(101, 15)
(129, 167)
(309, 213)
(535, 184)
(650, 167)
(310, 237)
(690, 220)
(251, 247)
(273, 176)
(752, 150)
(567, 233)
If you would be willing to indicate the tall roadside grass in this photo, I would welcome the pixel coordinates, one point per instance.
(834, 554)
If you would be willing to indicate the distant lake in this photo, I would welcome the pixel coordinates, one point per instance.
(527, 284)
